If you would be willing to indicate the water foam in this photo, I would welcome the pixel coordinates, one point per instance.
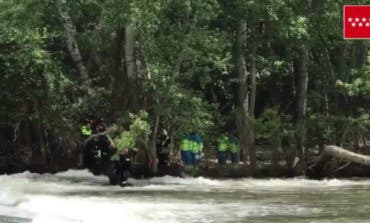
(78, 196)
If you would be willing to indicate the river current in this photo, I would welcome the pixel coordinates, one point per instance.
(78, 196)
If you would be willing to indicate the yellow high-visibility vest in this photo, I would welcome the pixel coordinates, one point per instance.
(86, 131)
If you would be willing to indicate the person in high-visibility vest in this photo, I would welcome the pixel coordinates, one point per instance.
(197, 147)
(86, 130)
(186, 148)
(234, 149)
(223, 148)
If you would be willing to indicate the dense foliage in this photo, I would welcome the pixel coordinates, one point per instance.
(182, 62)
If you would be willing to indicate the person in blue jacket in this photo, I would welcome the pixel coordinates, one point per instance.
(186, 147)
(197, 147)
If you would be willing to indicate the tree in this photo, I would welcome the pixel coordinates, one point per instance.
(209, 66)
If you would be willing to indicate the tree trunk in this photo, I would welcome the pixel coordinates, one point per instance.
(119, 75)
(173, 152)
(300, 70)
(333, 151)
(251, 133)
(342, 154)
(152, 147)
(242, 95)
(72, 45)
(276, 154)
(180, 60)
(132, 91)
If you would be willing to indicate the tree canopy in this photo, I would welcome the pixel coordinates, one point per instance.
(265, 68)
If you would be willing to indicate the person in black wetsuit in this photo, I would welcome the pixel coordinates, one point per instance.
(163, 142)
(98, 151)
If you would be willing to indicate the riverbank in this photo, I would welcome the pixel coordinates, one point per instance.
(58, 155)
(54, 156)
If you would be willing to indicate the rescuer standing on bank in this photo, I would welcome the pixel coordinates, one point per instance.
(186, 147)
(222, 148)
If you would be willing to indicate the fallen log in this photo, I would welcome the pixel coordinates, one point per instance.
(339, 153)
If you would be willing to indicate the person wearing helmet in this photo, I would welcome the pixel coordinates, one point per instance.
(86, 129)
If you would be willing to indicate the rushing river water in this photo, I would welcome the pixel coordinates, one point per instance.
(77, 196)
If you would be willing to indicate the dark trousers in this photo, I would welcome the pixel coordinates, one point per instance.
(187, 158)
(222, 157)
(234, 157)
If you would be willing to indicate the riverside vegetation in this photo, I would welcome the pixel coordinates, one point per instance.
(279, 72)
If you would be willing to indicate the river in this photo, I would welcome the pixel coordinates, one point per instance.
(77, 196)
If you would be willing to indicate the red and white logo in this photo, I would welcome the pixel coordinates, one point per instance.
(356, 22)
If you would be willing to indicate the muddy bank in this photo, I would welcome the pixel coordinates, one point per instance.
(211, 169)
